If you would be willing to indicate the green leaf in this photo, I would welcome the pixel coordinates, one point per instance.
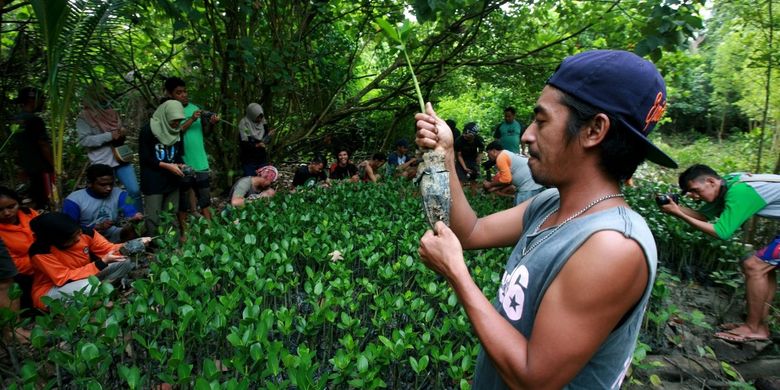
(389, 30)
(362, 363)
(89, 352)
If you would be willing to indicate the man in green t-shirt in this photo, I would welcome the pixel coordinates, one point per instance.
(733, 199)
(194, 155)
(509, 131)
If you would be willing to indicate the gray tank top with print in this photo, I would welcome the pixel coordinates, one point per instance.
(526, 280)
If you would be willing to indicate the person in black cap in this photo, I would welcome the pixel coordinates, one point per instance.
(311, 174)
(400, 162)
(33, 146)
(468, 152)
(575, 287)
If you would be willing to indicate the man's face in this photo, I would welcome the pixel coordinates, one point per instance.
(493, 154)
(102, 186)
(315, 167)
(175, 123)
(8, 210)
(401, 149)
(508, 116)
(180, 94)
(468, 136)
(549, 152)
(343, 158)
(704, 188)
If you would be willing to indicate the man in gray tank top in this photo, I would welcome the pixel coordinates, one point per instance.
(574, 290)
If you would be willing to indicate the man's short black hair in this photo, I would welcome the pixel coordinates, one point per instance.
(379, 157)
(695, 172)
(319, 159)
(495, 145)
(621, 151)
(98, 170)
(511, 109)
(172, 83)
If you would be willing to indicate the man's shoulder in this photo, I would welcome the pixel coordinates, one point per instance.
(78, 195)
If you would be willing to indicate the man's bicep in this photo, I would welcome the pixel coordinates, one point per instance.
(599, 284)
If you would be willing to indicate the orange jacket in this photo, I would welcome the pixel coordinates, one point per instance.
(17, 239)
(58, 267)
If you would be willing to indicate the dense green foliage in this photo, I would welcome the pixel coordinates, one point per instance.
(311, 289)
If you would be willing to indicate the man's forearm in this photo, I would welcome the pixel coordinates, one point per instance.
(703, 226)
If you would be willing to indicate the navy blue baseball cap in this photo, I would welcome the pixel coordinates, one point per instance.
(623, 85)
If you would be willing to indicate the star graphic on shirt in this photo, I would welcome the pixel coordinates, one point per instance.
(514, 303)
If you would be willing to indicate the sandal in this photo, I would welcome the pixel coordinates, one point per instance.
(738, 338)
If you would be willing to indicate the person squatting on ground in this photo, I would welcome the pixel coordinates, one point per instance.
(193, 152)
(367, 170)
(15, 232)
(254, 137)
(310, 175)
(468, 152)
(64, 256)
(400, 162)
(102, 206)
(343, 168)
(159, 152)
(733, 199)
(575, 287)
(100, 131)
(513, 174)
(250, 188)
(33, 146)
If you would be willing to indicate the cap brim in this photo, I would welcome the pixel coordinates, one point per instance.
(654, 154)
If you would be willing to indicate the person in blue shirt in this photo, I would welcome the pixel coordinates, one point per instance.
(103, 206)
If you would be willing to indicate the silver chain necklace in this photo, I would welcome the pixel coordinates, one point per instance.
(539, 241)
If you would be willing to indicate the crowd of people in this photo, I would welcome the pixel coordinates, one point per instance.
(52, 254)
(570, 226)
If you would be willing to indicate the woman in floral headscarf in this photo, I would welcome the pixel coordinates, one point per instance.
(99, 128)
(160, 152)
(254, 136)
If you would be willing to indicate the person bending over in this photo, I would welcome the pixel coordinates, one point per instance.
(250, 188)
(733, 199)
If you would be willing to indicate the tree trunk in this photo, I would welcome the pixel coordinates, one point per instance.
(767, 90)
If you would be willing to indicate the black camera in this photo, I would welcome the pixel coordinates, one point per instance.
(206, 115)
(666, 198)
(188, 170)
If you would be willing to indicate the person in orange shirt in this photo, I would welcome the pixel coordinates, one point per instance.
(514, 176)
(64, 257)
(16, 235)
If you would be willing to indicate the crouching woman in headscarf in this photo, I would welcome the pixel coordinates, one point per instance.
(64, 256)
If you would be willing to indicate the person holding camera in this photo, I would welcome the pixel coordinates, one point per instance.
(101, 132)
(254, 137)
(194, 150)
(733, 199)
(160, 155)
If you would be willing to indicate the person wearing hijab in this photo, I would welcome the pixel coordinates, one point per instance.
(64, 256)
(160, 155)
(254, 135)
(99, 128)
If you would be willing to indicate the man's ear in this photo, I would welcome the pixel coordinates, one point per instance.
(594, 132)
